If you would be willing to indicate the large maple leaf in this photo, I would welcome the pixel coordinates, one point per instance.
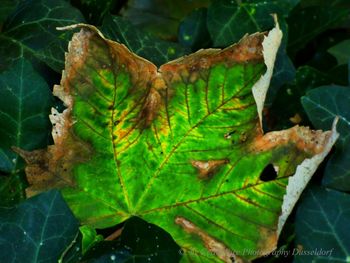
(180, 146)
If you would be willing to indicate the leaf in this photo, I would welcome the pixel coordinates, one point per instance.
(12, 189)
(31, 32)
(95, 10)
(193, 31)
(5, 163)
(305, 23)
(287, 107)
(321, 105)
(139, 242)
(341, 51)
(143, 44)
(323, 226)
(73, 252)
(6, 8)
(160, 17)
(89, 237)
(180, 146)
(229, 21)
(25, 99)
(37, 230)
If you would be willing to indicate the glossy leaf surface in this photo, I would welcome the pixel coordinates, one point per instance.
(37, 230)
(30, 24)
(321, 105)
(322, 226)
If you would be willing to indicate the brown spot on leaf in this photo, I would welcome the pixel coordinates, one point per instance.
(150, 108)
(268, 243)
(214, 246)
(306, 140)
(207, 169)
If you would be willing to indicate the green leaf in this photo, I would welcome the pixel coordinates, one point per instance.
(6, 164)
(229, 21)
(327, 102)
(143, 44)
(160, 17)
(89, 237)
(12, 188)
(284, 73)
(37, 230)
(286, 109)
(341, 51)
(305, 23)
(321, 105)
(193, 31)
(179, 146)
(139, 242)
(25, 101)
(31, 31)
(73, 252)
(323, 226)
(6, 8)
(95, 10)
(224, 17)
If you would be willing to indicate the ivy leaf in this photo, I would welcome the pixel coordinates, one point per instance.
(228, 21)
(306, 22)
(12, 188)
(25, 101)
(341, 51)
(322, 226)
(180, 146)
(143, 44)
(160, 17)
(94, 10)
(37, 230)
(31, 31)
(139, 242)
(6, 8)
(193, 31)
(289, 98)
(321, 105)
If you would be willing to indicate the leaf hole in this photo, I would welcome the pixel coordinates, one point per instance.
(268, 174)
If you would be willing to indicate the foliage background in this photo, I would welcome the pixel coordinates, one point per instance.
(310, 87)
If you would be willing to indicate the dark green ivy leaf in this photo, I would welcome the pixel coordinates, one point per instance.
(288, 103)
(323, 226)
(160, 17)
(37, 230)
(12, 188)
(95, 10)
(74, 252)
(6, 8)
(25, 101)
(31, 31)
(306, 22)
(193, 31)
(341, 51)
(140, 242)
(229, 21)
(322, 105)
(143, 44)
